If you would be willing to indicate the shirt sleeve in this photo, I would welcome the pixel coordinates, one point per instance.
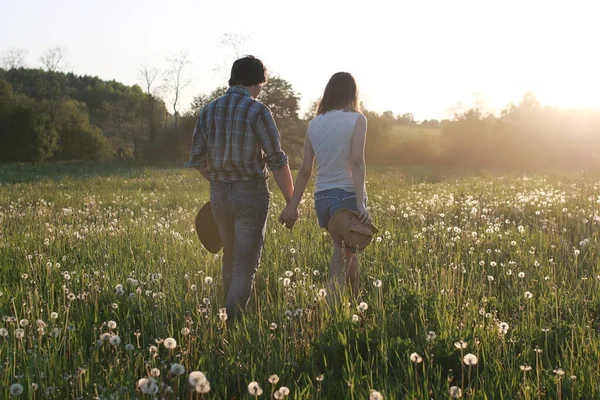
(198, 154)
(270, 140)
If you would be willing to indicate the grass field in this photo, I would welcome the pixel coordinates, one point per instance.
(99, 265)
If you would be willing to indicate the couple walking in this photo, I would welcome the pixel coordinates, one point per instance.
(236, 139)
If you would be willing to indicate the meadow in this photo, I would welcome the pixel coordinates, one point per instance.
(477, 287)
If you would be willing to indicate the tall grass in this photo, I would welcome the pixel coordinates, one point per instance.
(510, 266)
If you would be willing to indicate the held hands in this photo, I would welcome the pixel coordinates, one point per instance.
(288, 217)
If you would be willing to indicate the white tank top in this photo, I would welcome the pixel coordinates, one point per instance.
(330, 136)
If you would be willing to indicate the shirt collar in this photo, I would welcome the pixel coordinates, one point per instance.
(239, 90)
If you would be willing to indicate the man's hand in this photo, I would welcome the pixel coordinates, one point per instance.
(288, 217)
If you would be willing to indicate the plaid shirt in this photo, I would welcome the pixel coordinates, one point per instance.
(235, 139)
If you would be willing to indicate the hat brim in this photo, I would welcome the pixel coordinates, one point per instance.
(345, 229)
(207, 229)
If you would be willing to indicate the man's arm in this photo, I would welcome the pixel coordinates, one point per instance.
(198, 154)
(283, 177)
(270, 141)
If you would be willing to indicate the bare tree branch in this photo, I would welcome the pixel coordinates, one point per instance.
(13, 58)
(175, 80)
(237, 42)
(54, 59)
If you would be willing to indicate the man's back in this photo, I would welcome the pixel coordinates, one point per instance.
(240, 138)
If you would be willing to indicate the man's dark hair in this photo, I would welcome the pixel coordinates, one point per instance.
(248, 71)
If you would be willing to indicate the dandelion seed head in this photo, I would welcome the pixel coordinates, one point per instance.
(416, 358)
(148, 386)
(254, 389)
(196, 377)
(455, 392)
(115, 340)
(273, 379)
(470, 359)
(16, 389)
(461, 344)
(177, 369)
(170, 343)
(375, 395)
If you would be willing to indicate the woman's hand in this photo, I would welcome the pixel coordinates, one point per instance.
(363, 215)
(288, 217)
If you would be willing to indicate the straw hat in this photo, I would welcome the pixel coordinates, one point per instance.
(207, 230)
(344, 226)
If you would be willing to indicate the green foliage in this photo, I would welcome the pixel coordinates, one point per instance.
(78, 139)
(25, 134)
(203, 100)
(124, 114)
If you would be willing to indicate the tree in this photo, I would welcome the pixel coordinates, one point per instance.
(204, 99)
(175, 80)
(78, 140)
(13, 58)
(237, 42)
(148, 76)
(53, 59)
(406, 119)
(25, 134)
(284, 102)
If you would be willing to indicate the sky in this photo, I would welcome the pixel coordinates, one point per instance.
(424, 57)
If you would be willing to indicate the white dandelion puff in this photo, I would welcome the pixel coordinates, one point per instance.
(470, 359)
(461, 344)
(416, 358)
(196, 377)
(177, 369)
(170, 343)
(375, 395)
(115, 340)
(254, 389)
(455, 392)
(16, 389)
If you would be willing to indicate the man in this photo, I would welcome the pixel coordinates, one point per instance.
(234, 142)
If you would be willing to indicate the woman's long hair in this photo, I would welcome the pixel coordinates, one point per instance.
(340, 93)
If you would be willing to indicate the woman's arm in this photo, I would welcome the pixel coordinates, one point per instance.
(304, 173)
(290, 213)
(357, 163)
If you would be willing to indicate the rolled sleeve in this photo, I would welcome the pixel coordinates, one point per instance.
(198, 154)
(270, 141)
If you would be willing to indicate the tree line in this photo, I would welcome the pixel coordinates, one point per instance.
(47, 114)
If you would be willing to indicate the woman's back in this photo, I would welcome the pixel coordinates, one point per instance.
(330, 136)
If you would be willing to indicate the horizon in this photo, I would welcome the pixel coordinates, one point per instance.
(489, 54)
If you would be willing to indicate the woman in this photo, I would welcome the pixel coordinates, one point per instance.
(336, 139)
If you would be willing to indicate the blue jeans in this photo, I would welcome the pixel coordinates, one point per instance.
(240, 210)
(327, 202)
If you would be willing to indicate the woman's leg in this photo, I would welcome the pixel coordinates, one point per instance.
(337, 276)
(353, 275)
(343, 269)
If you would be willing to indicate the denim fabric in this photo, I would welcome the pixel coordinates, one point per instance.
(240, 210)
(327, 202)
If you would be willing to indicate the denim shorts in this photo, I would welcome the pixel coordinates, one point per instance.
(327, 202)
